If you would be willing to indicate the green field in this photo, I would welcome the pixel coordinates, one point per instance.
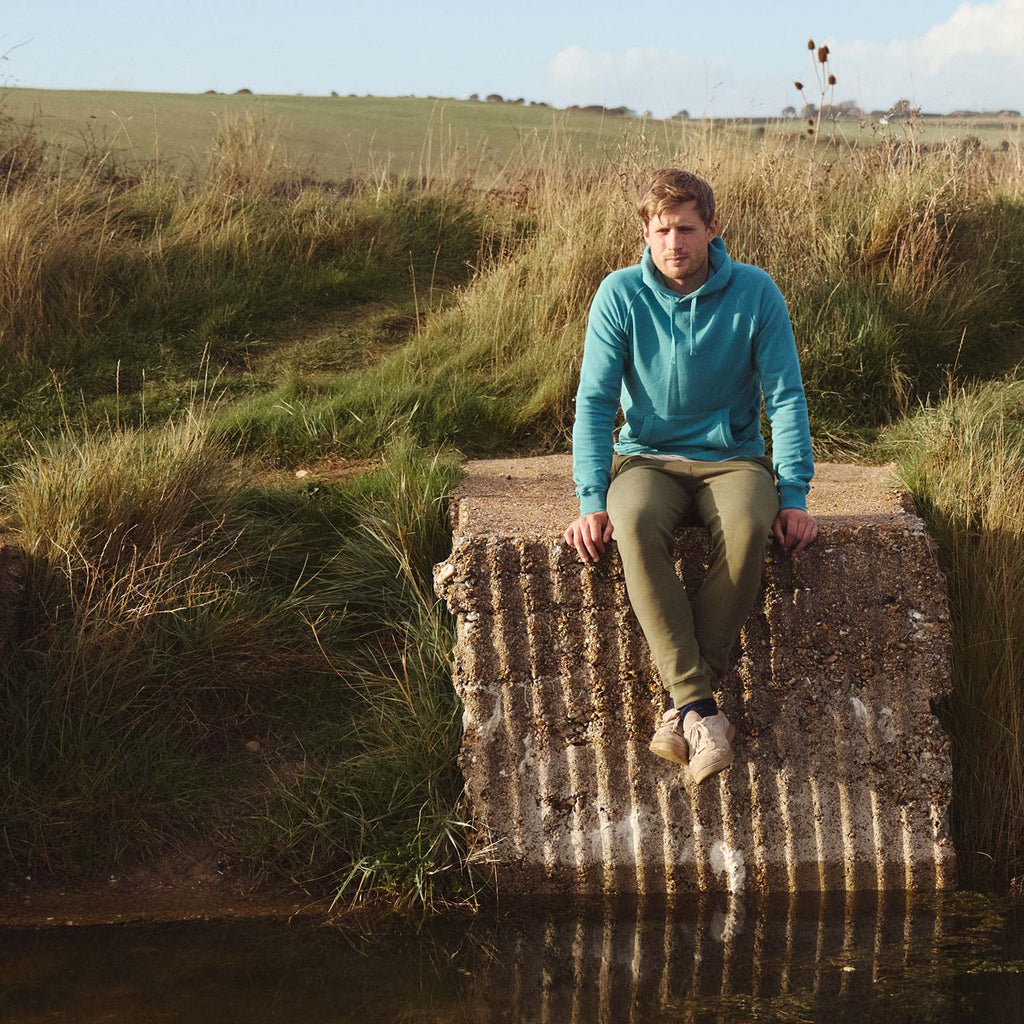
(335, 137)
(233, 401)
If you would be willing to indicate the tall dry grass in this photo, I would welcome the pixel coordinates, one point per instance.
(897, 263)
(166, 617)
(183, 608)
(260, 668)
(94, 255)
(964, 462)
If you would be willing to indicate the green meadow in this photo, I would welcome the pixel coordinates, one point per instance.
(331, 137)
(237, 381)
(335, 137)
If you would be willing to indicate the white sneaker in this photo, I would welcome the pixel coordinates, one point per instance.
(669, 742)
(709, 743)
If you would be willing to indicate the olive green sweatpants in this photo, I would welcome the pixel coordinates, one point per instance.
(647, 501)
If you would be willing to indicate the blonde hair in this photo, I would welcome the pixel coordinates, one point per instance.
(669, 187)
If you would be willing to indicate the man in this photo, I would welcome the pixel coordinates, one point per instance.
(687, 342)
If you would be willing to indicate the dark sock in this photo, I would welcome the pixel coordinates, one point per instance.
(706, 707)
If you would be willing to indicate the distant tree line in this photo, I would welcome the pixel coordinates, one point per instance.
(592, 108)
(847, 110)
(903, 110)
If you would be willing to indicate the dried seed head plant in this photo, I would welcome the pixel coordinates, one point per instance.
(826, 84)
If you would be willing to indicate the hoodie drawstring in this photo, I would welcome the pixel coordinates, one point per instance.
(693, 316)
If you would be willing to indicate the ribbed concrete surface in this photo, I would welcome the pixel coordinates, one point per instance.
(842, 774)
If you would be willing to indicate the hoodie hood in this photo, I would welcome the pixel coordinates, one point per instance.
(719, 274)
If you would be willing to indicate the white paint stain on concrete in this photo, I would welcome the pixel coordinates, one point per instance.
(485, 729)
(528, 758)
(885, 725)
(727, 861)
(860, 712)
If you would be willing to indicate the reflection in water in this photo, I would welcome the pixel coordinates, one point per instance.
(842, 957)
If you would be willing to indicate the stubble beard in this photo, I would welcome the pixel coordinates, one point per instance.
(685, 282)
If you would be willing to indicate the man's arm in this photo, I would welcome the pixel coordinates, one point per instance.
(778, 365)
(597, 401)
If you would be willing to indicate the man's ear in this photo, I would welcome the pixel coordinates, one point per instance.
(713, 227)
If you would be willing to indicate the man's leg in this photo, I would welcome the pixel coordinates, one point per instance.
(647, 501)
(738, 502)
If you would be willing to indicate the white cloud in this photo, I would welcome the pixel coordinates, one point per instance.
(648, 77)
(973, 59)
(974, 29)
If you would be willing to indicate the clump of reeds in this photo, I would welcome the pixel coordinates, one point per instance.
(267, 668)
(964, 461)
(163, 615)
(372, 801)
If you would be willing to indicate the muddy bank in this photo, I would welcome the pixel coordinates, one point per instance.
(146, 897)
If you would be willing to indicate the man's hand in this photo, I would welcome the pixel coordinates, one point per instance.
(794, 529)
(589, 534)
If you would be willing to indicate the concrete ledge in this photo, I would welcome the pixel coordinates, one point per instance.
(842, 774)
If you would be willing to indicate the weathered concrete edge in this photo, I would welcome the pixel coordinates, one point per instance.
(528, 553)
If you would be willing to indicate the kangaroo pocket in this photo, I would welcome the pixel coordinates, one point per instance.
(698, 431)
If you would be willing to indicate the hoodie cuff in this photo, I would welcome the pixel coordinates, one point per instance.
(592, 503)
(792, 496)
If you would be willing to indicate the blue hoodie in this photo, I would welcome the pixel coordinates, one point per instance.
(689, 372)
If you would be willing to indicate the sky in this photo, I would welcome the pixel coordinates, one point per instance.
(721, 59)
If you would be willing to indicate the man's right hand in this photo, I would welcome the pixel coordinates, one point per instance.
(589, 534)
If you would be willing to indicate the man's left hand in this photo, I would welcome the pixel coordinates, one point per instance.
(794, 529)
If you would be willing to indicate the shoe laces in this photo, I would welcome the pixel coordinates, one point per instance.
(700, 737)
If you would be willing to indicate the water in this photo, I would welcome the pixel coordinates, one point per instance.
(861, 958)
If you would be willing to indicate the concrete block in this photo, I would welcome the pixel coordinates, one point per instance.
(842, 775)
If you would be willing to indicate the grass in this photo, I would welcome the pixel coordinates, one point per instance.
(400, 733)
(216, 647)
(117, 289)
(252, 665)
(333, 138)
(888, 267)
(340, 137)
(963, 459)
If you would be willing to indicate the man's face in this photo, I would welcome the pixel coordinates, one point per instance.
(679, 245)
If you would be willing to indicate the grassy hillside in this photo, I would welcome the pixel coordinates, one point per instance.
(232, 403)
(335, 137)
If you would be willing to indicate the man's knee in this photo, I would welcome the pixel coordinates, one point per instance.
(643, 506)
(640, 526)
(742, 537)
